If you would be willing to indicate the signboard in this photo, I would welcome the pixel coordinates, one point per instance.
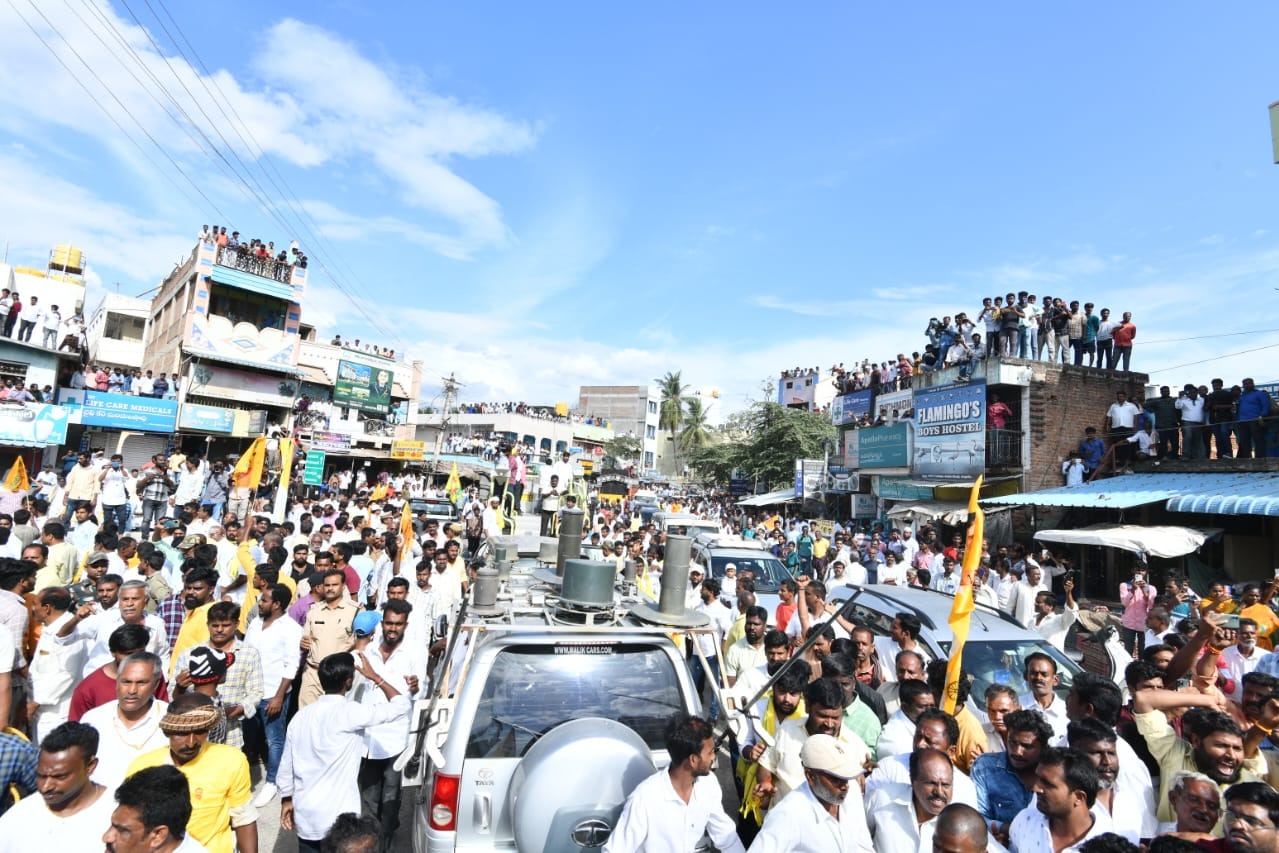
(863, 506)
(363, 387)
(410, 451)
(739, 487)
(313, 468)
(330, 441)
(950, 431)
(242, 386)
(33, 424)
(123, 411)
(884, 447)
(848, 408)
(840, 480)
(808, 477)
(902, 488)
(206, 418)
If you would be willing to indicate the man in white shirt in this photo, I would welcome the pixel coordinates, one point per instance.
(710, 642)
(935, 729)
(1041, 677)
(277, 639)
(71, 810)
(129, 726)
(1130, 811)
(403, 665)
(903, 817)
(1240, 659)
(898, 734)
(92, 626)
(154, 808)
(671, 810)
(826, 812)
(903, 635)
(83, 529)
(1062, 807)
(1053, 626)
(55, 667)
(30, 318)
(319, 772)
(1193, 417)
(1122, 418)
(780, 767)
(1021, 600)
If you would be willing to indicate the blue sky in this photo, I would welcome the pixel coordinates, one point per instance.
(539, 196)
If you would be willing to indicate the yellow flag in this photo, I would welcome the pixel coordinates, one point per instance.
(16, 480)
(286, 463)
(961, 611)
(404, 546)
(378, 493)
(248, 470)
(454, 485)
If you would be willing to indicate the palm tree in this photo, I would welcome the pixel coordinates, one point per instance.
(694, 435)
(671, 414)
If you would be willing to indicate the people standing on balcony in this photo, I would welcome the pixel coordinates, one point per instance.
(144, 385)
(159, 387)
(1192, 409)
(1009, 325)
(1164, 410)
(15, 309)
(1089, 343)
(1105, 343)
(222, 239)
(31, 316)
(1221, 413)
(1123, 335)
(51, 322)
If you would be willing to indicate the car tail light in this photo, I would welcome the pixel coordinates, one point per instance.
(444, 794)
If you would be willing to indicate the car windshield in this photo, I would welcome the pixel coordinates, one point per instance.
(769, 571)
(532, 689)
(431, 507)
(1004, 662)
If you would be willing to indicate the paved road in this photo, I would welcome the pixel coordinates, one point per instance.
(272, 839)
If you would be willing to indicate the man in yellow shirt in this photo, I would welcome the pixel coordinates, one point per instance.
(222, 817)
(1255, 605)
(197, 597)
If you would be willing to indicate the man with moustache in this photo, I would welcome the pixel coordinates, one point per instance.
(903, 817)
(1196, 804)
(71, 810)
(780, 705)
(780, 767)
(1063, 817)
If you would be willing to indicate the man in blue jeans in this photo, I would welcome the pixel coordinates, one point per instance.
(1254, 406)
(277, 639)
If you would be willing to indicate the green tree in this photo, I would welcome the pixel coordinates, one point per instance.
(671, 414)
(694, 434)
(622, 448)
(777, 436)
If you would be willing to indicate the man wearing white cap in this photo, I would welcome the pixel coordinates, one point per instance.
(826, 811)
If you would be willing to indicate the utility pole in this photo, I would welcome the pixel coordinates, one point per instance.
(450, 390)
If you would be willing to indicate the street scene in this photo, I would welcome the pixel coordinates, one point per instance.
(638, 429)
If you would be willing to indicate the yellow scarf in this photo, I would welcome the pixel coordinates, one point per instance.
(748, 771)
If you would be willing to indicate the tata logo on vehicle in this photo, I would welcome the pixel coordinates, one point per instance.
(592, 832)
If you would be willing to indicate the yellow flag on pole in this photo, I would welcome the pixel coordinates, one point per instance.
(248, 469)
(454, 485)
(16, 480)
(961, 611)
(406, 536)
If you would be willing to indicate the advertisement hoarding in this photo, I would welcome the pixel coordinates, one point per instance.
(950, 432)
(33, 424)
(848, 408)
(337, 442)
(363, 387)
(808, 477)
(408, 451)
(206, 418)
(884, 447)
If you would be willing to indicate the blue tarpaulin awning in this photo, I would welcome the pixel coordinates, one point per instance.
(1226, 493)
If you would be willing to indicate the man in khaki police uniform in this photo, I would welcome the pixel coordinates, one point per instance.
(328, 630)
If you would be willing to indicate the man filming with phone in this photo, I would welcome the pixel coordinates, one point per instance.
(1137, 597)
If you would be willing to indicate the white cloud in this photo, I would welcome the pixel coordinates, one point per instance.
(320, 102)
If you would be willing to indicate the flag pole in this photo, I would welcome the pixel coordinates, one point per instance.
(961, 612)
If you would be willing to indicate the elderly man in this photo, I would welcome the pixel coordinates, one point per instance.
(903, 817)
(1196, 806)
(222, 819)
(92, 627)
(129, 726)
(828, 803)
(55, 667)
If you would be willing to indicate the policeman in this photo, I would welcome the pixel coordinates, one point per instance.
(329, 629)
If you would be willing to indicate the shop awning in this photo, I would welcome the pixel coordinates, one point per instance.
(1241, 494)
(200, 355)
(953, 513)
(1163, 541)
(1123, 492)
(780, 496)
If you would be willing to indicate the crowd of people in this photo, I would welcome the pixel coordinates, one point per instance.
(22, 320)
(1013, 326)
(371, 349)
(253, 255)
(113, 380)
(544, 413)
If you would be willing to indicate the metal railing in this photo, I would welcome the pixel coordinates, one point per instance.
(1003, 448)
(267, 267)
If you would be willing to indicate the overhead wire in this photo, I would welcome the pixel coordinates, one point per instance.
(110, 116)
(310, 229)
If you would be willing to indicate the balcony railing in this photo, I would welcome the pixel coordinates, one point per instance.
(1003, 448)
(267, 267)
